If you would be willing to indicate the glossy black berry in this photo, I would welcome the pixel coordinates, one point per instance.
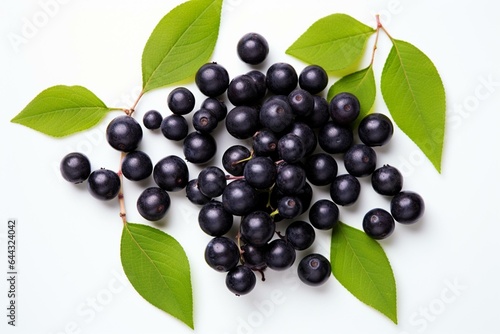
(375, 129)
(171, 173)
(174, 127)
(289, 207)
(344, 108)
(181, 101)
(313, 78)
(314, 269)
(212, 181)
(260, 172)
(214, 220)
(324, 214)
(212, 79)
(136, 166)
(345, 189)
(300, 234)
(152, 119)
(194, 194)
(301, 101)
(321, 169)
(153, 203)
(103, 184)
(204, 121)
(291, 148)
(264, 143)
(75, 167)
(290, 178)
(378, 223)
(216, 107)
(239, 198)
(242, 90)
(241, 280)
(257, 228)
(281, 78)
(222, 254)
(276, 114)
(360, 160)
(387, 180)
(407, 207)
(334, 138)
(253, 256)
(280, 255)
(234, 159)
(124, 133)
(199, 148)
(242, 122)
(259, 79)
(252, 48)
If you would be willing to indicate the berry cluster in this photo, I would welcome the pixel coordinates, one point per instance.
(288, 136)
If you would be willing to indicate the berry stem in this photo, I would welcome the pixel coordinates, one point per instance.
(121, 198)
(379, 26)
(131, 110)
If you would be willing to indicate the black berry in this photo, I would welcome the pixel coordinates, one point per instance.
(314, 269)
(103, 184)
(136, 166)
(280, 255)
(334, 138)
(239, 198)
(214, 220)
(257, 228)
(75, 167)
(252, 48)
(324, 214)
(281, 78)
(174, 127)
(153, 203)
(181, 101)
(378, 223)
(171, 173)
(407, 207)
(300, 234)
(212, 79)
(387, 180)
(199, 148)
(212, 181)
(124, 133)
(345, 189)
(222, 254)
(360, 160)
(240, 280)
(152, 119)
(375, 129)
(344, 108)
(313, 78)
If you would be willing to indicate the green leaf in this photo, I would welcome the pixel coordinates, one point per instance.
(361, 84)
(333, 42)
(414, 93)
(360, 264)
(158, 268)
(183, 40)
(63, 110)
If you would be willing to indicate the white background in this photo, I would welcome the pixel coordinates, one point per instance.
(70, 277)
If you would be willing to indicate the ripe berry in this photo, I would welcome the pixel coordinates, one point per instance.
(301, 101)
(124, 133)
(344, 108)
(407, 207)
(153, 203)
(194, 194)
(290, 178)
(291, 148)
(375, 129)
(321, 169)
(320, 115)
(239, 198)
(181, 101)
(214, 220)
(254, 257)
(334, 138)
(211, 181)
(387, 180)
(204, 121)
(281, 78)
(257, 228)
(75, 167)
(222, 254)
(199, 148)
(260, 172)
(252, 48)
(280, 255)
(313, 78)
(171, 173)
(360, 160)
(264, 143)
(242, 122)
(240, 280)
(174, 127)
(136, 166)
(212, 79)
(103, 184)
(259, 79)
(242, 90)
(306, 134)
(314, 269)
(232, 159)
(300, 234)
(345, 189)
(276, 114)
(378, 224)
(289, 207)
(324, 214)
(152, 119)
(217, 107)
